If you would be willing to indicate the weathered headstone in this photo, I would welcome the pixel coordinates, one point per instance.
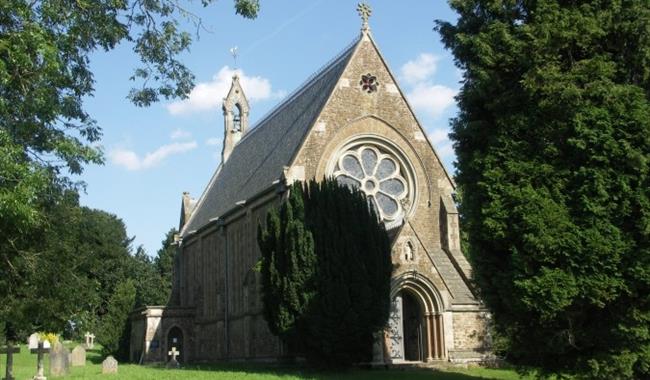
(59, 360)
(109, 365)
(90, 340)
(78, 357)
(10, 350)
(40, 350)
(173, 362)
(32, 342)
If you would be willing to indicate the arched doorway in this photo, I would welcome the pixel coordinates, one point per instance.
(175, 340)
(415, 327)
(412, 319)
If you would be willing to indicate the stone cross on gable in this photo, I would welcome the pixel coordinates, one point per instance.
(10, 350)
(39, 363)
(365, 12)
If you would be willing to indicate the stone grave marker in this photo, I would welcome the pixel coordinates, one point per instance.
(40, 350)
(109, 365)
(90, 340)
(10, 350)
(32, 342)
(78, 357)
(173, 362)
(59, 360)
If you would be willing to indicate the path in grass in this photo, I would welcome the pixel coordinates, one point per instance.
(25, 368)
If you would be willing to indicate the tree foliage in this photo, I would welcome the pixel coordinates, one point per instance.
(326, 271)
(164, 264)
(115, 326)
(46, 136)
(288, 266)
(553, 149)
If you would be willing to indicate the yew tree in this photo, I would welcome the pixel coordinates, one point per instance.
(326, 269)
(553, 160)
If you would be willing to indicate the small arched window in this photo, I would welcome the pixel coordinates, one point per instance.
(236, 124)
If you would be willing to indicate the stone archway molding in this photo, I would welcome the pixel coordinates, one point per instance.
(433, 307)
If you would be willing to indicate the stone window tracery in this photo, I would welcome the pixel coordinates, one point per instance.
(379, 174)
(368, 83)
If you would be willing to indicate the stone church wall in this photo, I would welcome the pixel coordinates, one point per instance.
(218, 280)
(470, 331)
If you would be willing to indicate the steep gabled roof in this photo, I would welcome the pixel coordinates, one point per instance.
(260, 157)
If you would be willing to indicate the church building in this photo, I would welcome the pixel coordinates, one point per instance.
(350, 121)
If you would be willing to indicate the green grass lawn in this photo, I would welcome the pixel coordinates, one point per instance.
(25, 368)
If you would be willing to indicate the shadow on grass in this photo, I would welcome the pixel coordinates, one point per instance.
(94, 356)
(307, 373)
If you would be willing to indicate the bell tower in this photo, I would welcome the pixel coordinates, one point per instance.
(235, 115)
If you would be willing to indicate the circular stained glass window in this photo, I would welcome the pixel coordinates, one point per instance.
(379, 175)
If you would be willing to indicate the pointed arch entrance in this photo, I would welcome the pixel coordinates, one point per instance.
(415, 327)
(175, 340)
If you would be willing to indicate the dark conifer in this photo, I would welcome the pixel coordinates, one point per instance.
(333, 293)
(553, 150)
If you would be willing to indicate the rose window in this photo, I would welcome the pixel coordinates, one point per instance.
(378, 175)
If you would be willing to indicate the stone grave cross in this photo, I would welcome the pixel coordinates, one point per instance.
(39, 364)
(10, 350)
(90, 340)
(173, 362)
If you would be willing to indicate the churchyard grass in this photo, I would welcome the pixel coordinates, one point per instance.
(25, 368)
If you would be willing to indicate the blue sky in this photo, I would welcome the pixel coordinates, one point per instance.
(154, 154)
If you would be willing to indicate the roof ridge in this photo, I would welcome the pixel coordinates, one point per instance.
(302, 87)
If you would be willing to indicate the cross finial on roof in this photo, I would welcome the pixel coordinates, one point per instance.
(365, 12)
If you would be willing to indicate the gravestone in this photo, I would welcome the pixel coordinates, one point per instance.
(109, 365)
(173, 362)
(59, 360)
(10, 350)
(32, 342)
(40, 350)
(90, 340)
(78, 357)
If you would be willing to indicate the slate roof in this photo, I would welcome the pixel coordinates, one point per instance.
(261, 155)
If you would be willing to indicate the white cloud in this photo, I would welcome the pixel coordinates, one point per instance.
(179, 134)
(431, 98)
(423, 67)
(440, 140)
(439, 135)
(131, 161)
(209, 95)
(445, 150)
(213, 141)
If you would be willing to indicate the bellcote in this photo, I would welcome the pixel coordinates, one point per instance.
(235, 114)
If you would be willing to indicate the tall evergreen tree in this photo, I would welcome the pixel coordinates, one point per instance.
(288, 266)
(553, 149)
(115, 325)
(164, 263)
(326, 271)
(353, 274)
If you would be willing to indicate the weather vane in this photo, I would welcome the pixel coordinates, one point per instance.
(233, 52)
(365, 12)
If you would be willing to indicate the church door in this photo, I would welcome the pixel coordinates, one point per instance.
(175, 339)
(413, 328)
